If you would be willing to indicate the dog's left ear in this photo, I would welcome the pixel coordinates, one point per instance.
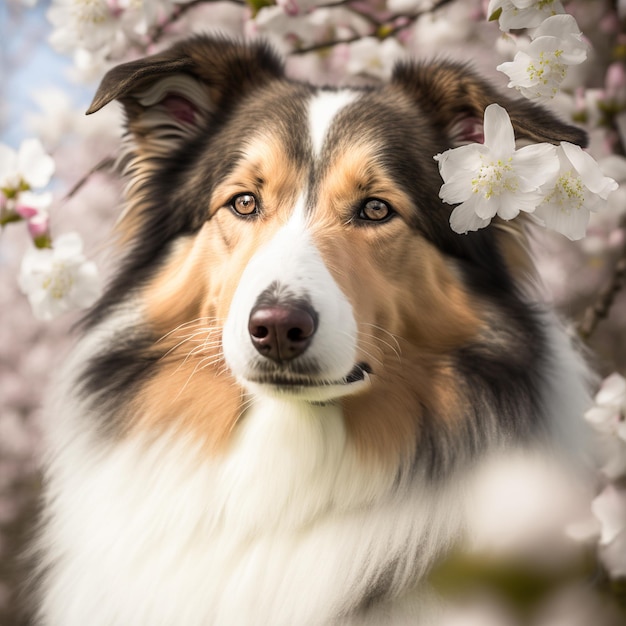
(455, 98)
(171, 94)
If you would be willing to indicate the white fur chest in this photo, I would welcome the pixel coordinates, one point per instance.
(289, 527)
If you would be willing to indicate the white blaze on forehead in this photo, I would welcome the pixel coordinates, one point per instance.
(323, 109)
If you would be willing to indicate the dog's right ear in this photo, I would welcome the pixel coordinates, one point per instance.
(455, 98)
(172, 93)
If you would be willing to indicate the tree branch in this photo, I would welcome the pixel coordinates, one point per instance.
(104, 164)
(601, 308)
(177, 13)
(382, 28)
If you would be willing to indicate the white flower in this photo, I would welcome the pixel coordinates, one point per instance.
(493, 178)
(287, 31)
(613, 556)
(579, 187)
(608, 418)
(87, 24)
(513, 14)
(59, 279)
(539, 71)
(296, 7)
(409, 6)
(609, 412)
(372, 57)
(610, 509)
(29, 167)
(566, 30)
(104, 26)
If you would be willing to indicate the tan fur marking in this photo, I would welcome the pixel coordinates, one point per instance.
(192, 389)
(355, 176)
(188, 300)
(191, 398)
(266, 171)
(385, 421)
(411, 310)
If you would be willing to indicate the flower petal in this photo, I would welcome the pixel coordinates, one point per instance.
(613, 556)
(8, 164)
(602, 418)
(499, 134)
(517, 70)
(59, 279)
(572, 224)
(464, 218)
(536, 165)
(508, 206)
(28, 203)
(68, 246)
(610, 508)
(612, 391)
(35, 166)
(589, 170)
(572, 47)
(464, 158)
(458, 189)
(559, 26)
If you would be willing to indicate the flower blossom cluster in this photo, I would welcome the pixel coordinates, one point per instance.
(95, 30)
(60, 278)
(556, 43)
(608, 420)
(558, 185)
(55, 276)
(23, 174)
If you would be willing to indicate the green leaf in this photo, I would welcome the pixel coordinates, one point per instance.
(521, 584)
(257, 5)
(495, 16)
(43, 241)
(9, 217)
(383, 31)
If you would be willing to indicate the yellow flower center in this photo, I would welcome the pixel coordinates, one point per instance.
(59, 282)
(568, 193)
(542, 4)
(91, 11)
(548, 68)
(495, 177)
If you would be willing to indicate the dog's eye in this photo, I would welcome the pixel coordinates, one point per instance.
(374, 210)
(244, 204)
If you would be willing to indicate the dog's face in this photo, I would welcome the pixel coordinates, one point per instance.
(288, 241)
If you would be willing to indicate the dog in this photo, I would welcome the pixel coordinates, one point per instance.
(272, 409)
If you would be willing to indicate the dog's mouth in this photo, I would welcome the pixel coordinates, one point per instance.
(315, 389)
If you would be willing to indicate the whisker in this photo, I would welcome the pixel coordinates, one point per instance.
(204, 337)
(396, 351)
(195, 369)
(180, 343)
(386, 343)
(384, 330)
(197, 320)
(245, 405)
(212, 360)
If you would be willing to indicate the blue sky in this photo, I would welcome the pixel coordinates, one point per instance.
(28, 63)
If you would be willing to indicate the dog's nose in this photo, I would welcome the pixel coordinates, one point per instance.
(282, 332)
